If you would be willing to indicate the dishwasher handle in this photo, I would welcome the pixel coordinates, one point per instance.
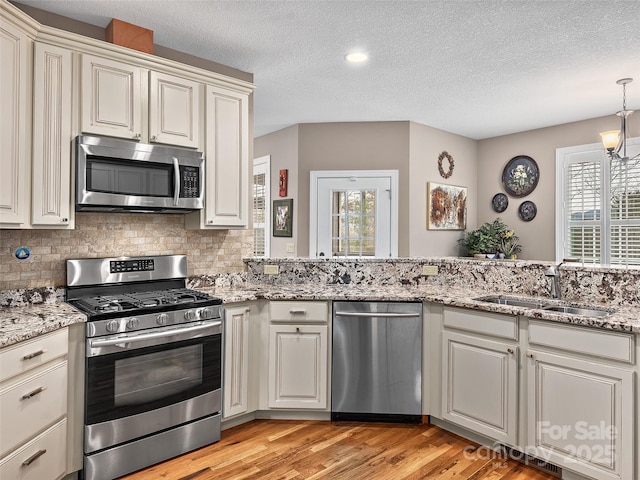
(377, 314)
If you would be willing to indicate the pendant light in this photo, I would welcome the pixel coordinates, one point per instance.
(615, 141)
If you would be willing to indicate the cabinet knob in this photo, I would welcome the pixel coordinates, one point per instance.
(137, 136)
(153, 138)
(530, 355)
(297, 329)
(510, 350)
(247, 310)
(64, 220)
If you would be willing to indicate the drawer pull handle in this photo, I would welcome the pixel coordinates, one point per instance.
(33, 457)
(34, 355)
(297, 330)
(297, 312)
(29, 395)
(510, 350)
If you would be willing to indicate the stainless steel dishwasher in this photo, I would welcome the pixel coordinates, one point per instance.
(376, 372)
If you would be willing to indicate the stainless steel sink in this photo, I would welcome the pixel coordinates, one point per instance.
(514, 302)
(587, 312)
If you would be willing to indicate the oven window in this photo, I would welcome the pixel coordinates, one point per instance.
(136, 381)
(149, 377)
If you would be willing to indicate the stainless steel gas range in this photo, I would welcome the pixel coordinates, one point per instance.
(153, 362)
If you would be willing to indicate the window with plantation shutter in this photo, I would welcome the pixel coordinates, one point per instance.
(598, 207)
(261, 199)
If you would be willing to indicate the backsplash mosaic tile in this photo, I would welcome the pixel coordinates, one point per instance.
(210, 252)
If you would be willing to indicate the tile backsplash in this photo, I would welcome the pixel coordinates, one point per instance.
(209, 252)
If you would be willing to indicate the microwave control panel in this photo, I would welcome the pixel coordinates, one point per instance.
(189, 182)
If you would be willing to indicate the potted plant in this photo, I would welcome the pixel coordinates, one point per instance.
(486, 240)
(509, 244)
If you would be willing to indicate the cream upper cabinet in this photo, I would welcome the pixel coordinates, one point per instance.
(111, 98)
(226, 160)
(51, 202)
(117, 101)
(174, 110)
(15, 125)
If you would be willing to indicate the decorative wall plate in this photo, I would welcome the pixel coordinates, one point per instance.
(499, 202)
(520, 176)
(527, 211)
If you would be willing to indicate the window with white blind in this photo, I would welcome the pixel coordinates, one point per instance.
(261, 210)
(598, 206)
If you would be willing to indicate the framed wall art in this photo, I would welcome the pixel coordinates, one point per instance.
(520, 176)
(283, 218)
(282, 183)
(446, 207)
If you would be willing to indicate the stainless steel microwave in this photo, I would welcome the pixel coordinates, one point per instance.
(114, 175)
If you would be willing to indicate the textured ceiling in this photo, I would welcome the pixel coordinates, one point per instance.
(476, 68)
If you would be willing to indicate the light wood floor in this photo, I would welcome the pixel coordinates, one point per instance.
(277, 449)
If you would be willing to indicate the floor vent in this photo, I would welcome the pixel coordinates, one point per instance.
(533, 462)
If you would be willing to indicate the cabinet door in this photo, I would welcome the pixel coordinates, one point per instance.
(15, 95)
(236, 361)
(227, 159)
(174, 110)
(581, 415)
(111, 98)
(51, 198)
(480, 386)
(298, 366)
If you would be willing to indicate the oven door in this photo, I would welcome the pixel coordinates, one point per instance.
(144, 383)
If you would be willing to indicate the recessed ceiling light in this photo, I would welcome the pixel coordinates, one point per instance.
(356, 57)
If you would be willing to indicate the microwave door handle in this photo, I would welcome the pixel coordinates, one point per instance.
(176, 181)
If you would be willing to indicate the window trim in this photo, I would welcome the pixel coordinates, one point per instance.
(316, 175)
(266, 161)
(561, 221)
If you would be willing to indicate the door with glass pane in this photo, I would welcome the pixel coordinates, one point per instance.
(354, 217)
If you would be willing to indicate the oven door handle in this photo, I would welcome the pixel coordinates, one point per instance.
(150, 336)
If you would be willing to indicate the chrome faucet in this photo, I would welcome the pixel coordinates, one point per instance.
(554, 273)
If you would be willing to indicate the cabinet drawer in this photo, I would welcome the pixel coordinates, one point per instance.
(30, 354)
(587, 341)
(29, 406)
(297, 312)
(494, 324)
(43, 458)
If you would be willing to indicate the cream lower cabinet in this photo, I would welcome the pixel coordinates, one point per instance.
(33, 408)
(298, 366)
(51, 203)
(236, 361)
(15, 124)
(298, 355)
(480, 379)
(581, 410)
(480, 386)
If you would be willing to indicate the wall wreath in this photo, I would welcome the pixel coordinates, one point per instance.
(449, 158)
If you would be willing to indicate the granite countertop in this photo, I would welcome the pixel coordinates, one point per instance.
(24, 322)
(623, 318)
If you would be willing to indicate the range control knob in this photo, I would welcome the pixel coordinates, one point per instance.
(162, 319)
(205, 312)
(189, 315)
(132, 323)
(113, 326)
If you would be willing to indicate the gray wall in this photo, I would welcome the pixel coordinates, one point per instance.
(426, 144)
(537, 236)
(283, 148)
